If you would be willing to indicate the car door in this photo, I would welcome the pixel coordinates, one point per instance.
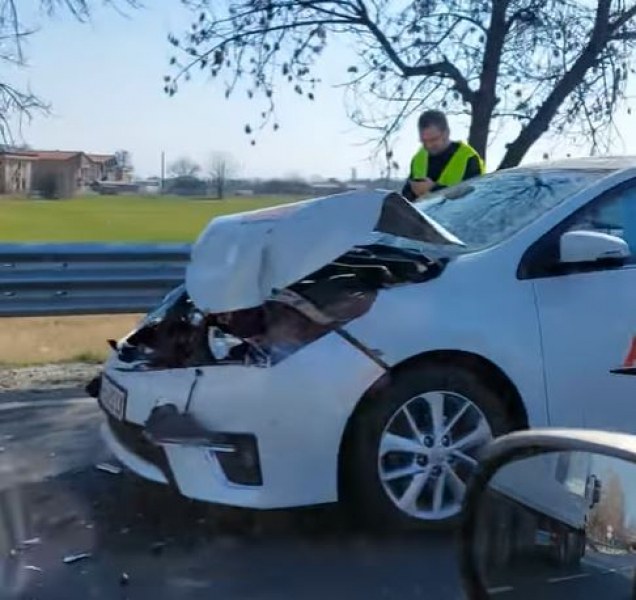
(587, 316)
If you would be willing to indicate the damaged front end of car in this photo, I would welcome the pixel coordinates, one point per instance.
(266, 300)
(264, 284)
(179, 335)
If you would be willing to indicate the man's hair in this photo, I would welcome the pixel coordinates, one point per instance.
(433, 117)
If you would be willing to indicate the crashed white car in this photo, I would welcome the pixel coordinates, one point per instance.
(360, 347)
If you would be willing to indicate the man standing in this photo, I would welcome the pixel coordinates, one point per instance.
(440, 162)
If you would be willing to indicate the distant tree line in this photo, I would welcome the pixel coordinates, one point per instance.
(186, 179)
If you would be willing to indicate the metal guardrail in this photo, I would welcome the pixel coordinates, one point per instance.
(73, 279)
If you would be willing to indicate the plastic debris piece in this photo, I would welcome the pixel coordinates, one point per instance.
(108, 468)
(33, 568)
(71, 558)
(31, 542)
(157, 547)
(124, 579)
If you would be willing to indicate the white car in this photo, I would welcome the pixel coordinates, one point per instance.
(361, 347)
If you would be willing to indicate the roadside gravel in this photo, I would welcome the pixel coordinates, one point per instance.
(46, 378)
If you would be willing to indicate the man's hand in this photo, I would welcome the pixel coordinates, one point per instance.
(422, 186)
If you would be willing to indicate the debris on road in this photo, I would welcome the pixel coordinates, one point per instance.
(124, 579)
(31, 542)
(157, 547)
(108, 468)
(33, 568)
(71, 558)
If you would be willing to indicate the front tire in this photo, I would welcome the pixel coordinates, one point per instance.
(414, 445)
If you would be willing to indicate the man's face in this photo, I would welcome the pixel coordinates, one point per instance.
(434, 139)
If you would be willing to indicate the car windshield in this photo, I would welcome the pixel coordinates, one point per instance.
(488, 210)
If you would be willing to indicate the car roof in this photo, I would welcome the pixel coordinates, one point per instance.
(592, 163)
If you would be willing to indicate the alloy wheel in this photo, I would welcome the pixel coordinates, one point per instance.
(427, 453)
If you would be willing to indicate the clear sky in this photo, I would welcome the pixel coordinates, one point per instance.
(104, 82)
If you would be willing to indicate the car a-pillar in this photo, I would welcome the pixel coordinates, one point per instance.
(410, 445)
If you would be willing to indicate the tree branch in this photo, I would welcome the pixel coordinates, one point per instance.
(444, 69)
(252, 33)
(621, 21)
(566, 85)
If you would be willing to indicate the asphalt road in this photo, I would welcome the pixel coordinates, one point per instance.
(145, 541)
(598, 576)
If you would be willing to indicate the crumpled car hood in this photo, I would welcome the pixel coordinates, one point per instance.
(240, 260)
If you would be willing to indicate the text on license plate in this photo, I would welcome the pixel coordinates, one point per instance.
(112, 398)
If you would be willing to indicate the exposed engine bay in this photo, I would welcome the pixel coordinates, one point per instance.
(179, 335)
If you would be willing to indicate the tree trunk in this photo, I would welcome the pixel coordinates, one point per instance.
(485, 98)
(540, 123)
(479, 129)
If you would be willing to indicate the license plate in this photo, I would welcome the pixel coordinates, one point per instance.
(112, 398)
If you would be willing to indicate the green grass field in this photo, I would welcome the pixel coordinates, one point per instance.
(117, 218)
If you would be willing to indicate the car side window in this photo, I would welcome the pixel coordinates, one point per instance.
(614, 214)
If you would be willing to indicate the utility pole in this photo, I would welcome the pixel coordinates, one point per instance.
(163, 169)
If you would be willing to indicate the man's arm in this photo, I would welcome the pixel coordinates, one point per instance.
(407, 192)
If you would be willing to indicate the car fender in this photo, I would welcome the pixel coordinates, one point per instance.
(443, 315)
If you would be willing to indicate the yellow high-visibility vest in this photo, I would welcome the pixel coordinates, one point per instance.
(454, 170)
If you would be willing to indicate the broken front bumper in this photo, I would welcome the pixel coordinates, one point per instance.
(234, 462)
(143, 458)
(262, 437)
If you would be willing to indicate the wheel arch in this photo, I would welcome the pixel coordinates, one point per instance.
(476, 363)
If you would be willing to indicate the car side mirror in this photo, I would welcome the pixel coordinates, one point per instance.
(549, 508)
(592, 246)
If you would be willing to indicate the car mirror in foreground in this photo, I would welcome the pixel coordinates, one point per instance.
(552, 514)
(592, 246)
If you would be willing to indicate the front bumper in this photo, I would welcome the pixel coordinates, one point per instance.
(150, 463)
(294, 412)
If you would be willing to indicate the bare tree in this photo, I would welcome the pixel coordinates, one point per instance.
(124, 159)
(125, 167)
(221, 168)
(184, 167)
(16, 103)
(610, 511)
(520, 67)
